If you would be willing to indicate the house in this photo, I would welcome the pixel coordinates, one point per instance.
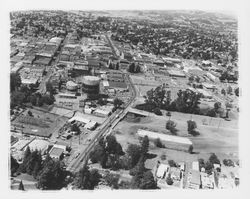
(162, 171)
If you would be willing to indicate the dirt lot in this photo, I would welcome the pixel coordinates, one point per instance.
(40, 123)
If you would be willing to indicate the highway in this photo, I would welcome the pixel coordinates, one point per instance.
(76, 164)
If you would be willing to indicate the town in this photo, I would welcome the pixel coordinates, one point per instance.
(123, 100)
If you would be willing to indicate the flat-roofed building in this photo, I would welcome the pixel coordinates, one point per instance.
(57, 151)
(193, 179)
(174, 142)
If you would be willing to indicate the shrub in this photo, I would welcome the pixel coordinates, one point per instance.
(169, 180)
(170, 125)
(228, 162)
(194, 132)
(157, 111)
(158, 143)
(163, 157)
(191, 125)
(172, 163)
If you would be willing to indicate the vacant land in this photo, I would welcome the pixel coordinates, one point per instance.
(218, 136)
(40, 123)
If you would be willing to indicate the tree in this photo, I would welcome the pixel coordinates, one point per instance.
(217, 106)
(125, 162)
(117, 103)
(40, 101)
(134, 152)
(209, 167)
(228, 162)
(169, 180)
(223, 91)
(144, 145)
(52, 175)
(214, 159)
(113, 162)
(50, 88)
(187, 101)
(97, 154)
(170, 125)
(26, 158)
(48, 99)
(112, 180)
(157, 111)
(103, 160)
(236, 91)
(30, 113)
(16, 99)
(158, 98)
(139, 168)
(134, 68)
(15, 81)
(21, 187)
(33, 100)
(34, 159)
(158, 143)
(172, 163)
(191, 127)
(148, 181)
(13, 165)
(190, 149)
(229, 90)
(76, 129)
(112, 146)
(201, 163)
(94, 178)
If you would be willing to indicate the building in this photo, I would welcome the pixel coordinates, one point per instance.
(176, 73)
(57, 151)
(71, 86)
(91, 84)
(102, 113)
(207, 181)
(173, 142)
(193, 179)
(162, 171)
(40, 145)
(195, 166)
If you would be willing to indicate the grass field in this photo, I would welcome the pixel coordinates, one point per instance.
(223, 140)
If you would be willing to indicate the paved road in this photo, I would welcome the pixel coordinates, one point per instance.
(109, 124)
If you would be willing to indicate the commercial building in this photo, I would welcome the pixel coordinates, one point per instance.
(174, 142)
(38, 144)
(102, 113)
(91, 84)
(57, 151)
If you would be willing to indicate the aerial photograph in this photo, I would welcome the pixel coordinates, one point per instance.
(123, 99)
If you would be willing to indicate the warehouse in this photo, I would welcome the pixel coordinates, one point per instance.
(176, 73)
(102, 113)
(173, 142)
(40, 145)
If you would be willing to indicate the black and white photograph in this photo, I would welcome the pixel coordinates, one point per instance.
(123, 99)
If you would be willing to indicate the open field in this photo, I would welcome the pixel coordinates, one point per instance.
(223, 140)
